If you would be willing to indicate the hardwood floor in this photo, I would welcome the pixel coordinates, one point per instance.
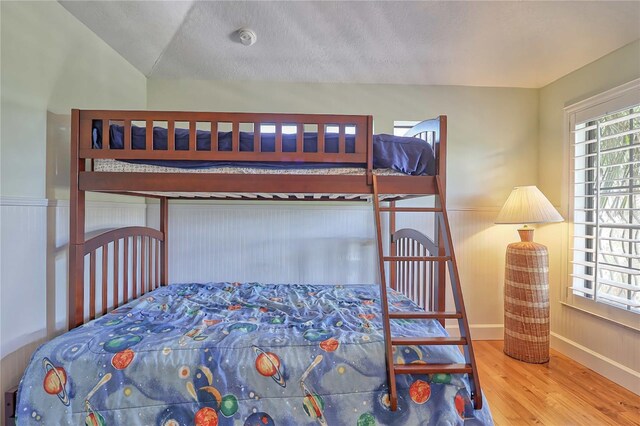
(559, 393)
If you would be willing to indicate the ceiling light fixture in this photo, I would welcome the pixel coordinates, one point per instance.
(247, 36)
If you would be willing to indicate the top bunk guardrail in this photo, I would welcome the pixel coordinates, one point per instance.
(150, 136)
(353, 134)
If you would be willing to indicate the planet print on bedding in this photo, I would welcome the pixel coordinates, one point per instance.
(316, 335)
(259, 419)
(55, 381)
(120, 343)
(236, 375)
(268, 364)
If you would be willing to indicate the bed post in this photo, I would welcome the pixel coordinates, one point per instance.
(440, 291)
(76, 228)
(392, 247)
(442, 158)
(369, 150)
(164, 244)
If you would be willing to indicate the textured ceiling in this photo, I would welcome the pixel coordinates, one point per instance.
(509, 44)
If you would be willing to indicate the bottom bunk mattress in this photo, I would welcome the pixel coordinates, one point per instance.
(243, 354)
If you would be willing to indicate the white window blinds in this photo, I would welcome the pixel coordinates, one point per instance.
(606, 207)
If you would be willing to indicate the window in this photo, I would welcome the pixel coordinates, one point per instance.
(401, 127)
(605, 265)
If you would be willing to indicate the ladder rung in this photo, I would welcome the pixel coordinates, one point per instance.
(424, 315)
(407, 341)
(432, 368)
(411, 209)
(416, 258)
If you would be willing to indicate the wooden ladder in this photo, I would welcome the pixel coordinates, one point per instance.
(435, 257)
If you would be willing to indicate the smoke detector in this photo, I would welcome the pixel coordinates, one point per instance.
(247, 36)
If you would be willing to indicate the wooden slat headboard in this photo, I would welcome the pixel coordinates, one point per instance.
(359, 124)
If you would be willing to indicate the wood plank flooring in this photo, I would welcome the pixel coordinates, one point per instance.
(559, 393)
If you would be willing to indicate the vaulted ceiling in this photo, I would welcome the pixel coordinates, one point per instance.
(504, 44)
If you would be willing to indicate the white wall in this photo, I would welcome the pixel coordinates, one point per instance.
(609, 348)
(311, 243)
(50, 64)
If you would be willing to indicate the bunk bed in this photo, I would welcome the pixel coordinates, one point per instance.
(141, 351)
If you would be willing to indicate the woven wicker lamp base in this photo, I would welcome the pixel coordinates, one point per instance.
(526, 302)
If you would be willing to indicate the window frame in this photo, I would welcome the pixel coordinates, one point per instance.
(612, 100)
(406, 125)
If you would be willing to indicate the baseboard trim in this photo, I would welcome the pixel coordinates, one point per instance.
(612, 370)
(480, 331)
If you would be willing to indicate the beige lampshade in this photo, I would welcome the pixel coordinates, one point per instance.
(526, 204)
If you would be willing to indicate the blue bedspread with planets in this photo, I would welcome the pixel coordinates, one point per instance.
(243, 354)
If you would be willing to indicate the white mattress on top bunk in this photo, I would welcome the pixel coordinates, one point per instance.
(108, 165)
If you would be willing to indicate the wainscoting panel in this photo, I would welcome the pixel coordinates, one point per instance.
(33, 271)
(285, 243)
(22, 271)
(480, 248)
(23, 307)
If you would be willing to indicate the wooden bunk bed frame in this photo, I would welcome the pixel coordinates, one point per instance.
(145, 250)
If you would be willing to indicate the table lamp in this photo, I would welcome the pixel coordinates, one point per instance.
(526, 279)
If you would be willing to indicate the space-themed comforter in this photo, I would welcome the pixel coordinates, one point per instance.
(242, 354)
